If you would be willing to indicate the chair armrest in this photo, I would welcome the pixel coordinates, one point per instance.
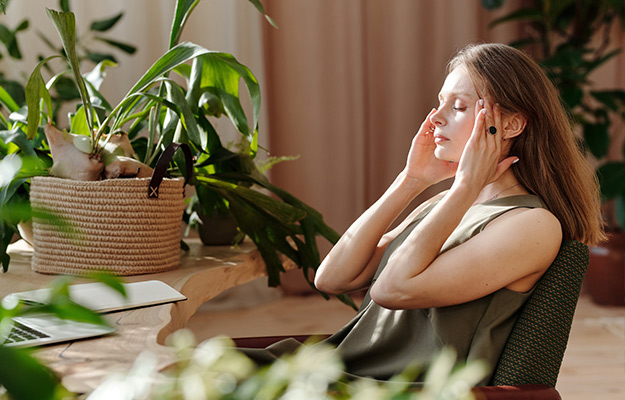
(520, 392)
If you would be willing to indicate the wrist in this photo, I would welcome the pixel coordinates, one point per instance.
(410, 183)
(464, 190)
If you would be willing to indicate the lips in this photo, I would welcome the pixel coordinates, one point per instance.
(440, 139)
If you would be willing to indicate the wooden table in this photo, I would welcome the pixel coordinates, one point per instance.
(204, 272)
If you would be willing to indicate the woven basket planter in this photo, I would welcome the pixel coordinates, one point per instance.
(107, 225)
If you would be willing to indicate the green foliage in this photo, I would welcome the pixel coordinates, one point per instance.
(571, 39)
(41, 382)
(214, 369)
(158, 110)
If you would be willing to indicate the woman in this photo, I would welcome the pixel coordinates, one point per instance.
(459, 267)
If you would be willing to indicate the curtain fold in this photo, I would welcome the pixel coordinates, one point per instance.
(348, 83)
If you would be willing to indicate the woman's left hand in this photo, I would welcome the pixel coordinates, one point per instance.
(481, 161)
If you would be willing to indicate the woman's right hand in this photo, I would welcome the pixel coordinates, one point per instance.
(422, 165)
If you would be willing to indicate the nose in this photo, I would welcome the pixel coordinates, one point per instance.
(437, 119)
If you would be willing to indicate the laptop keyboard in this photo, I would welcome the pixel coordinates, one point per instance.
(21, 332)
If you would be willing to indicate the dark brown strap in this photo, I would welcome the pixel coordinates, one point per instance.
(163, 162)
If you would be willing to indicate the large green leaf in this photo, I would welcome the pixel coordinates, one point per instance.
(171, 59)
(24, 377)
(175, 95)
(220, 75)
(35, 91)
(65, 23)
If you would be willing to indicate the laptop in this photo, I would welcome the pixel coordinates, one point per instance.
(41, 329)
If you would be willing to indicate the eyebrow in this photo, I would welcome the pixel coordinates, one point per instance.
(456, 94)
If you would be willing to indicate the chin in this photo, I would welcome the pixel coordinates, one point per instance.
(444, 154)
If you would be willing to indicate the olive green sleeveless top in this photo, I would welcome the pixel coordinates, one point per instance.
(380, 343)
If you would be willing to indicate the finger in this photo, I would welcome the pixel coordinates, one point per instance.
(427, 126)
(498, 126)
(488, 106)
(503, 166)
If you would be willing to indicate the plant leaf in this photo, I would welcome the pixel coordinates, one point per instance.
(261, 9)
(17, 364)
(104, 25)
(35, 91)
(176, 96)
(7, 100)
(597, 138)
(529, 14)
(619, 210)
(221, 73)
(612, 179)
(125, 47)
(65, 23)
(181, 14)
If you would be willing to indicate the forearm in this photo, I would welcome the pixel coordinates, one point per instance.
(424, 243)
(349, 258)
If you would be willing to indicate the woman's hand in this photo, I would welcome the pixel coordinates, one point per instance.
(422, 165)
(481, 162)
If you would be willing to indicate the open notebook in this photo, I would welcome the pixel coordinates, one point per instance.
(35, 330)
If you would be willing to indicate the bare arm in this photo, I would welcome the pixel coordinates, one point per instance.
(513, 251)
(352, 262)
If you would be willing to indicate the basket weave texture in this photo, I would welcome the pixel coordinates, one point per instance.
(106, 225)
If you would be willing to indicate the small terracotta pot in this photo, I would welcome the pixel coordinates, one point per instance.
(605, 278)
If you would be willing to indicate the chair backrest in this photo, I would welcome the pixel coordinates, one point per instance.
(535, 348)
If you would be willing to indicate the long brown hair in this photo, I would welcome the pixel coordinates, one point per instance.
(551, 165)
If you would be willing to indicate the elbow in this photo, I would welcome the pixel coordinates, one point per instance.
(393, 296)
(326, 285)
(385, 296)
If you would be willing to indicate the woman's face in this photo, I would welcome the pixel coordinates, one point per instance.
(455, 115)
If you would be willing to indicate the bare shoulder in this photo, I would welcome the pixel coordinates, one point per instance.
(535, 231)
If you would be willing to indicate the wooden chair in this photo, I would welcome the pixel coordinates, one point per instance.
(530, 362)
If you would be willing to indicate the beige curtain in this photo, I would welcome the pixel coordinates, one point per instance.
(349, 82)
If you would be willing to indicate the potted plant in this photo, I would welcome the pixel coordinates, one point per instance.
(571, 39)
(157, 111)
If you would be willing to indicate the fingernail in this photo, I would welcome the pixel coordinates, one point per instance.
(483, 111)
(515, 161)
(480, 102)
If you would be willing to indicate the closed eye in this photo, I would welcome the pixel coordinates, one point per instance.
(458, 108)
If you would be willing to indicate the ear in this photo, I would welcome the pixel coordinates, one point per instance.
(513, 125)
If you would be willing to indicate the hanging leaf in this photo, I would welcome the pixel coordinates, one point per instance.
(259, 7)
(35, 91)
(105, 24)
(125, 47)
(220, 76)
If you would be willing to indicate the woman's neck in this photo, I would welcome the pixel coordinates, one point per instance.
(506, 185)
